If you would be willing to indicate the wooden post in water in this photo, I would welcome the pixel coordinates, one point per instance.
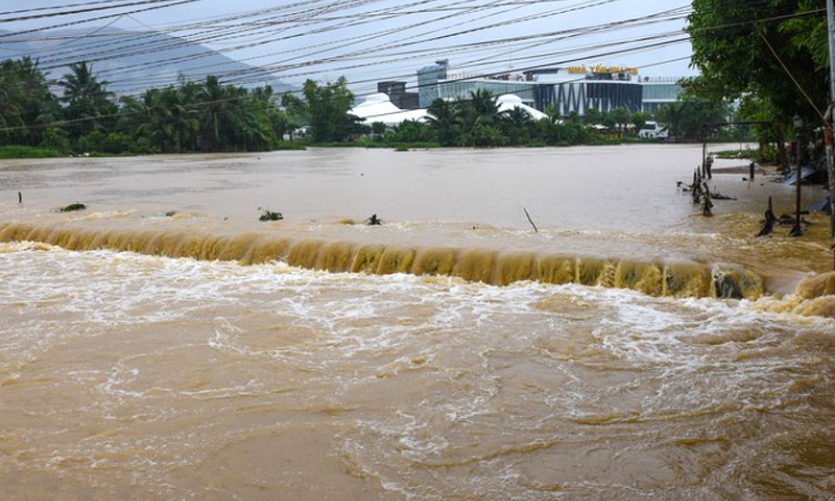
(19, 197)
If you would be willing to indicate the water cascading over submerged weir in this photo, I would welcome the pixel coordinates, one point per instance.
(654, 278)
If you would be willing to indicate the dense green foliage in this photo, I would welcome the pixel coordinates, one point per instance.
(88, 119)
(26, 103)
(477, 122)
(687, 118)
(326, 110)
(769, 53)
(209, 116)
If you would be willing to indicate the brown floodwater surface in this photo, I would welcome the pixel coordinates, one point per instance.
(451, 353)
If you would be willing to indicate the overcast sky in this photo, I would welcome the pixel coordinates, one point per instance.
(373, 40)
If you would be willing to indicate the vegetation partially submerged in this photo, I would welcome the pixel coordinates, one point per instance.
(73, 207)
(268, 215)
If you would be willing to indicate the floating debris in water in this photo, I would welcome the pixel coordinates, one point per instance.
(268, 215)
(73, 207)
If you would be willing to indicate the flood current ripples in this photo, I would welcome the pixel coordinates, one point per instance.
(125, 375)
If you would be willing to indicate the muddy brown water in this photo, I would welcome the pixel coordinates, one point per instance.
(451, 353)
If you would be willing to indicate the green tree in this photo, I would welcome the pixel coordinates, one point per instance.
(89, 103)
(483, 134)
(162, 119)
(410, 131)
(621, 118)
(26, 104)
(755, 109)
(443, 122)
(327, 107)
(270, 123)
(517, 125)
(739, 52)
(217, 109)
(481, 107)
(593, 116)
(638, 120)
(479, 118)
(686, 118)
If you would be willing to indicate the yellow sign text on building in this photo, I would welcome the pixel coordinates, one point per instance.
(602, 69)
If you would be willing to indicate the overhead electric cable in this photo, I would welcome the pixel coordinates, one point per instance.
(100, 18)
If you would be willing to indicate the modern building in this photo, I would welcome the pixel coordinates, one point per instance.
(658, 92)
(579, 89)
(396, 91)
(569, 89)
(429, 80)
(460, 86)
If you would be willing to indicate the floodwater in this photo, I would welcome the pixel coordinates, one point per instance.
(452, 353)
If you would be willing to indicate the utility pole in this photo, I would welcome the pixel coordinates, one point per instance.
(830, 148)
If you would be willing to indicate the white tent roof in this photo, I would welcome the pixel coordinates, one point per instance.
(378, 108)
(507, 102)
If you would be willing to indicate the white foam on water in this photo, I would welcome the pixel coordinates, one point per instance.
(485, 378)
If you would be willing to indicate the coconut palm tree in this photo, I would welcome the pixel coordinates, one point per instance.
(443, 121)
(516, 123)
(88, 100)
(26, 104)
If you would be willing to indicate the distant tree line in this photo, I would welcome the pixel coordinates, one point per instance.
(212, 117)
(87, 118)
(477, 122)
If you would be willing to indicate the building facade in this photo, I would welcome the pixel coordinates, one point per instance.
(429, 80)
(569, 90)
(659, 92)
(398, 96)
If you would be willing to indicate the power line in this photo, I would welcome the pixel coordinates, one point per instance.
(446, 22)
(32, 14)
(169, 3)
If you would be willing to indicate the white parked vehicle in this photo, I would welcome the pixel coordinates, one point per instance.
(652, 130)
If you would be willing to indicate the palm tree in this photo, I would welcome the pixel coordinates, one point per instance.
(516, 124)
(212, 107)
(148, 120)
(11, 113)
(484, 104)
(26, 104)
(443, 120)
(181, 124)
(163, 118)
(87, 98)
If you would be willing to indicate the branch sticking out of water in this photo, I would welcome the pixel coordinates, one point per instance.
(530, 220)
